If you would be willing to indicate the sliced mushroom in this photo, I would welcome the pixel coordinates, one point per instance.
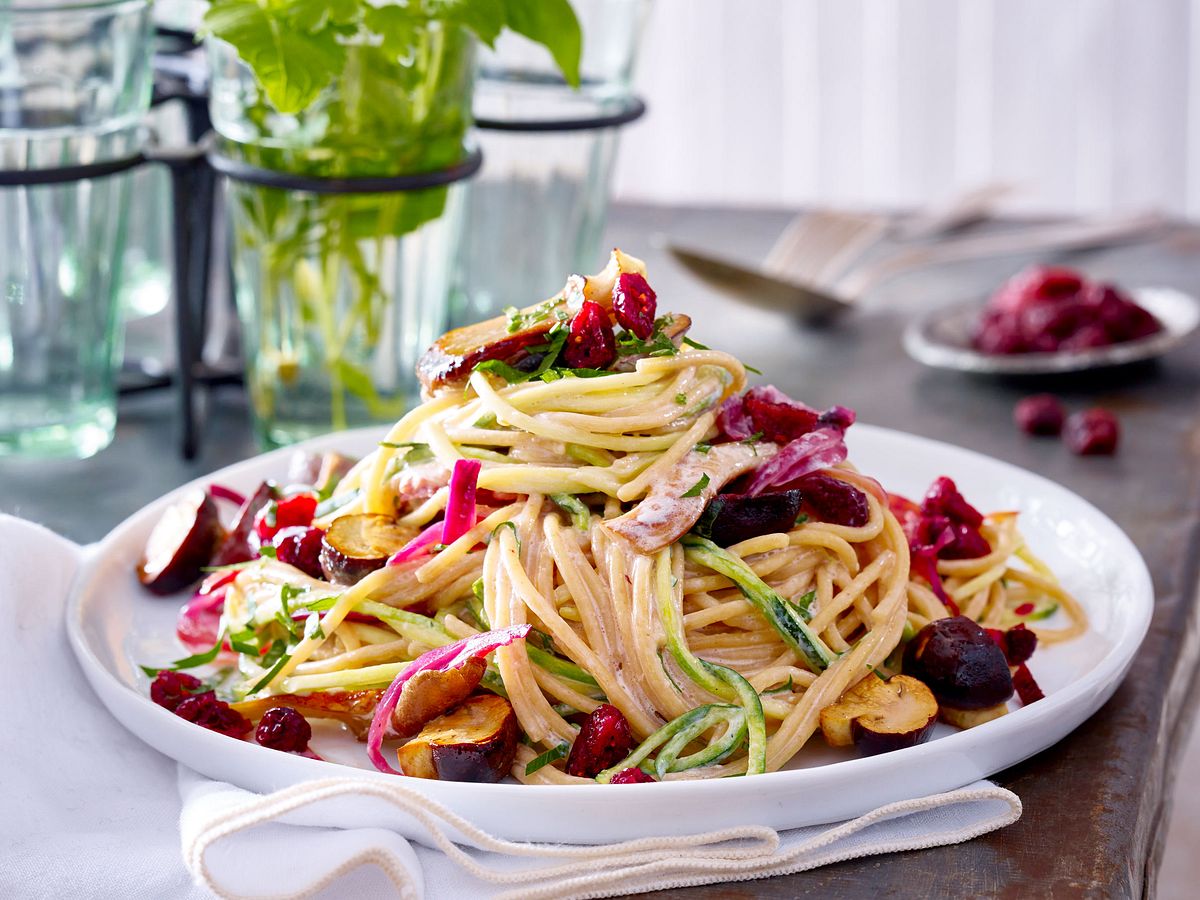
(357, 545)
(879, 716)
(455, 353)
(969, 718)
(476, 741)
(664, 515)
(181, 544)
(430, 693)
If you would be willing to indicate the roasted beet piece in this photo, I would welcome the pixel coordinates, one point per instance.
(730, 518)
(777, 417)
(632, 775)
(1093, 432)
(603, 741)
(960, 663)
(237, 545)
(829, 499)
(591, 343)
(300, 546)
(634, 304)
(1019, 644)
(1026, 686)
(171, 688)
(208, 712)
(282, 728)
(1040, 414)
(968, 543)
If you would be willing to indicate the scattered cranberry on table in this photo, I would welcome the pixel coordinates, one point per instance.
(1093, 432)
(1041, 414)
(1047, 309)
(283, 728)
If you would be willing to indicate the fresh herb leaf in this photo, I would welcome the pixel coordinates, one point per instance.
(271, 673)
(681, 399)
(804, 605)
(267, 550)
(189, 662)
(750, 368)
(702, 447)
(552, 755)
(486, 421)
(753, 439)
(802, 518)
(477, 589)
(696, 344)
(695, 489)
(581, 516)
(658, 344)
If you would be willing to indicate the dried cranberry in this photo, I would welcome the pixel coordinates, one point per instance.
(297, 509)
(1093, 432)
(829, 499)
(591, 343)
(944, 499)
(632, 775)
(603, 741)
(999, 333)
(216, 715)
(299, 546)
(169, 688)
(635, 304)
(1087, 337)
(282, 728)
(1039, 414)
(1036, 285)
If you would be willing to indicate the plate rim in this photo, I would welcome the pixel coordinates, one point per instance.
(1097, 684)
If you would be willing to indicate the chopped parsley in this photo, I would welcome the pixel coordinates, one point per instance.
(702, 447)
(750, 368)
(802, 518)
(695, 344)
(513, 526)
(658, 344)
(681, 399)
(804, 605)
(695, 489)
(519, 321)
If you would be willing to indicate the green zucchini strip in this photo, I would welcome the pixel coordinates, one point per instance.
(778, 612)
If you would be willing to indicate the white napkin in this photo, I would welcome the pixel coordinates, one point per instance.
(97, 809)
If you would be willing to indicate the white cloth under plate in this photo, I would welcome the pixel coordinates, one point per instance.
(89, 811)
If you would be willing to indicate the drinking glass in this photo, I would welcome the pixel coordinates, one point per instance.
(74, 86)
(536, 212)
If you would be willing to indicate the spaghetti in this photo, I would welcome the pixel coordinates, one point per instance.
(583, 481)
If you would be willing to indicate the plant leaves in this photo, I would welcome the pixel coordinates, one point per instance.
(293, 66)
(551, 23)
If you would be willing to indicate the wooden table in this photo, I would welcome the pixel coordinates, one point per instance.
(1096, 804)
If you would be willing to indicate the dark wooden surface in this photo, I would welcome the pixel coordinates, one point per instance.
(1096, 804)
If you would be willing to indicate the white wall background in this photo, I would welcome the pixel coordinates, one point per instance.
(1083, 105)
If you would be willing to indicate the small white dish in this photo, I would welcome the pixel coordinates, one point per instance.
(113, 625)
(942, 339)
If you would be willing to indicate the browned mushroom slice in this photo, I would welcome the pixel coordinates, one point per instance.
(181, 544)
(969, 718)
(879, 716)
(357, 545)
(456, 353)
(352, 708)
(430, 693)
(476, 741)
(664, 515)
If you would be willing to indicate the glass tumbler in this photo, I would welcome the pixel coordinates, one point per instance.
(75, 83)
(536, 212)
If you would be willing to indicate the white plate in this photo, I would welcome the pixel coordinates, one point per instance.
(942, 339)
(113, 625)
